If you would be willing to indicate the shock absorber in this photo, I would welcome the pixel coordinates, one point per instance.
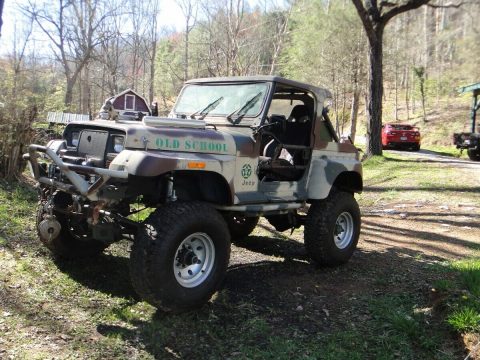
(171, 196)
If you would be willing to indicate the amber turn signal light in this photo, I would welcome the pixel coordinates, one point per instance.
(196, 165)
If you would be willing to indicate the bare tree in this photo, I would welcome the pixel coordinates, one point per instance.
(420, 75)
(111, 51)
(136, 40)
(151, 45)
(374, 19)
(281, 32)
(375, 16)
(18, 55)
(16, 115)
(189, 9)
(72, 28)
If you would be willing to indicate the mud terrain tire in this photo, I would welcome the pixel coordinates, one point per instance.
(180, 257)
(332, 228)
(69, 244)
(474, 154)
(240, 226)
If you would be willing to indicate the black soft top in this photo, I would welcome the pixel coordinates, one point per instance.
(319, 92)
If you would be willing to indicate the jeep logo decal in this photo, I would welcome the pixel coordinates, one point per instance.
(246, 171)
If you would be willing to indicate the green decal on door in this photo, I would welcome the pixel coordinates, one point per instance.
(246, 171)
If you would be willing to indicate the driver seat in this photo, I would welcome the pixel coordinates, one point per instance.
(297, 132)
(279, 162)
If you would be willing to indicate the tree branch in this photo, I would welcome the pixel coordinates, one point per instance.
(367, 24)
(409, 5)
(372, 10)
(449, 5)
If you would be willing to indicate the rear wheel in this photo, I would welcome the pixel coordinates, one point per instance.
(474, 154)
(180, 257)
(69, 238)
(240, 226)
(332, 229)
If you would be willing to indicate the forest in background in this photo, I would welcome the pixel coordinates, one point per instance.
(72, 55)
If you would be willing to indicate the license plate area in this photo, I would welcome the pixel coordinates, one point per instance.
(403, 138)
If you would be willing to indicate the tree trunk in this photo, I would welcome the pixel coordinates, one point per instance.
(344, 106)
(151, 89)
(374, 114)
(185, 70)
(396, 91)
(407, 91)
(69, 94)
(71, 78)
(413, 91)
(86, 98)
(397, 47)
(422, 93)
(354, 113)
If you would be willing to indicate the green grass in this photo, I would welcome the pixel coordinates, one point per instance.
(396, 177)
(92, 303)
(17, 202)
(465, 319)
(462, 294)
(443, 284)
(407, 330)
(469, 270)
(446, 150)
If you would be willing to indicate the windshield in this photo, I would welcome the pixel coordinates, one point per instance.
(401, 127)
(221, 100)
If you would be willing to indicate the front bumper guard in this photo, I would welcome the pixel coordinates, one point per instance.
(78, 184)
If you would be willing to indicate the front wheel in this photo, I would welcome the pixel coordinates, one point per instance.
(180, 257)
(332, 228)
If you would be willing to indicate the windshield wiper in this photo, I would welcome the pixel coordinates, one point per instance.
(244, 108)
(204, 111)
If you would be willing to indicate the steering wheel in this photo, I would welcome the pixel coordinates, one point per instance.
(278, 121)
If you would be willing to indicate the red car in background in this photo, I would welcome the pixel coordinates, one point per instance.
(400, 136)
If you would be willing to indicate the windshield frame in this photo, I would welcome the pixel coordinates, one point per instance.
(221, 119)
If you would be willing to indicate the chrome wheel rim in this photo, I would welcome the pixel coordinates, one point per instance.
(194, 260)
(343, 232)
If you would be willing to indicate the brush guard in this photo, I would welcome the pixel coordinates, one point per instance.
(78, 184)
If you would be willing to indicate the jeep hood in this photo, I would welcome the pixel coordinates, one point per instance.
(181, 136)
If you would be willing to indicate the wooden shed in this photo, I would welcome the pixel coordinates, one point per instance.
(127, 105)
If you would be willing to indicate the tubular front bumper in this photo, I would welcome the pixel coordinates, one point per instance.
(78, 184)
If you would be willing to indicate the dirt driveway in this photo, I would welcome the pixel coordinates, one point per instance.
(431, 156)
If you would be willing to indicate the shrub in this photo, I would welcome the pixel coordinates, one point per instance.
(15, 133)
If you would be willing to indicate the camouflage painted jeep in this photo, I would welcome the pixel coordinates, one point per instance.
(230, 151)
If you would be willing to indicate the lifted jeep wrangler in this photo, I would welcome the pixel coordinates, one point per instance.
(230, 151)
